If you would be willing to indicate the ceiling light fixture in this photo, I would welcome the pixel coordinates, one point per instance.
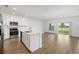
(14, 8)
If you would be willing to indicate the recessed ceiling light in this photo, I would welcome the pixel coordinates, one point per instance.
(14, 8)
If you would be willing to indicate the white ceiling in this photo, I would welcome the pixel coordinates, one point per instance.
(43, 12)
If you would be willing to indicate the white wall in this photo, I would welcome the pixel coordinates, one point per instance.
(37, 25)
(74, 29)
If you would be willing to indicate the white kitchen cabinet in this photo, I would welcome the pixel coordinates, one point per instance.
(32, 41)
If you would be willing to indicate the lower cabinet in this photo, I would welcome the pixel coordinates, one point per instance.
(32, 41)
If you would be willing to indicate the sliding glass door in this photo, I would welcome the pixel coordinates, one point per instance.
(64, 28)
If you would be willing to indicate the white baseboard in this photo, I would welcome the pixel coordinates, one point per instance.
(74, 35)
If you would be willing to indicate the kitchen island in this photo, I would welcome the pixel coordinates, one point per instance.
(32, 41)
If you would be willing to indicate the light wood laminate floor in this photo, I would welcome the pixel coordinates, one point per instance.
(52, 44)
(14, 46)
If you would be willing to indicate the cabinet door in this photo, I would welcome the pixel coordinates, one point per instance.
(26, 40)
(34, 42)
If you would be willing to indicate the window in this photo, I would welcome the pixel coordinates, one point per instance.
(51, 27)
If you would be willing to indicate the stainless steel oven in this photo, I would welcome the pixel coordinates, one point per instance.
(13, 30)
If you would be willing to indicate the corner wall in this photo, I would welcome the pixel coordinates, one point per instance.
(37, 25)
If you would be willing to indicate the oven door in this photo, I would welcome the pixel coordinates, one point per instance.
(13, 31)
